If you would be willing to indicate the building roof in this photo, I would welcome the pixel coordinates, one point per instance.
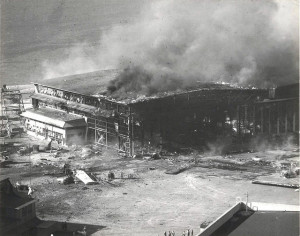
(96, 83)
(197, 88)
(266, 223)
(261, 220)
(278, 100)
(87, 83)
(60, 101)
(54, 117)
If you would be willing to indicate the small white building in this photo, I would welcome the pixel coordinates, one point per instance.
(48, 123)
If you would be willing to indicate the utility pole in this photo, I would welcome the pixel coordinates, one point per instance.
(247, 202)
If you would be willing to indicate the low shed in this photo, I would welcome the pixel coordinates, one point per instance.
(57, 125)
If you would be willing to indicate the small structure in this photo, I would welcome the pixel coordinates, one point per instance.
(11, 106)
(17, 211)
(51, 124)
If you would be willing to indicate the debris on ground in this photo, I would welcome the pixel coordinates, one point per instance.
(86, 152)
(256, 159)
(66, 180)
(111, 175)
(84, 177)
(276, 184)
(177, 170)
(289, 174)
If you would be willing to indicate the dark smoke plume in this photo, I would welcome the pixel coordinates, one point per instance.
(174, 43)
(138, 80)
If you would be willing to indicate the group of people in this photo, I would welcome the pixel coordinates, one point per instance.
(187, 232)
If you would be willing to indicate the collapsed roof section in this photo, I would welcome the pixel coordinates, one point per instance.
(95, 84)
(60, 101)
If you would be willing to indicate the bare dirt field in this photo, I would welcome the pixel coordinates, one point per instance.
(146, 200)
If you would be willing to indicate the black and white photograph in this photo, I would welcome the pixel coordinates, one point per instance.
(149, 118)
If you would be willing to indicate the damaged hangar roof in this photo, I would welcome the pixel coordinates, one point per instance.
(92, 83)
(95, 84)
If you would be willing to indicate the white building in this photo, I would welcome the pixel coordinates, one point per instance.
(48, 123)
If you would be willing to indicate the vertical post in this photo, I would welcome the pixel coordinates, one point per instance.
(2, 115)
(129, 132)
(278, 119)
(238, 121)
(262, 118)
(294, 117)
(254, 119)
(246, 114)
(132, 136)
(269, 118)
(95, 131)
(143, 134)
(286, 120)
(36, 88)
(106, 131)
(247, 203)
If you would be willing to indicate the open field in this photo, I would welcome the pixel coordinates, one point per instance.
(150, 201)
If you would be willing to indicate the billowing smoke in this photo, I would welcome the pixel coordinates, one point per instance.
(78, 60)
(175, 43)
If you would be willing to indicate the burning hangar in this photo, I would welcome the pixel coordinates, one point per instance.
(142, 124)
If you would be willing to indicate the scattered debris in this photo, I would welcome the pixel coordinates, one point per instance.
(86, 152)
(146, 157)
(66, 180)
(155, 156)
(256, 159)
(177, 170)
(83, 176)
(111, 175)
(276, 184)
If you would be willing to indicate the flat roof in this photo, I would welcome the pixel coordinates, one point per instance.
(261, 223)
(96, 83)
(258, 219)
(54, 117)
(88, 83)
(278, 100)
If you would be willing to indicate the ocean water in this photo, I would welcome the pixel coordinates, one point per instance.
(35, 31)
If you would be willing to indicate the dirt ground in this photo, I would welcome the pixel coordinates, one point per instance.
(146, 200)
